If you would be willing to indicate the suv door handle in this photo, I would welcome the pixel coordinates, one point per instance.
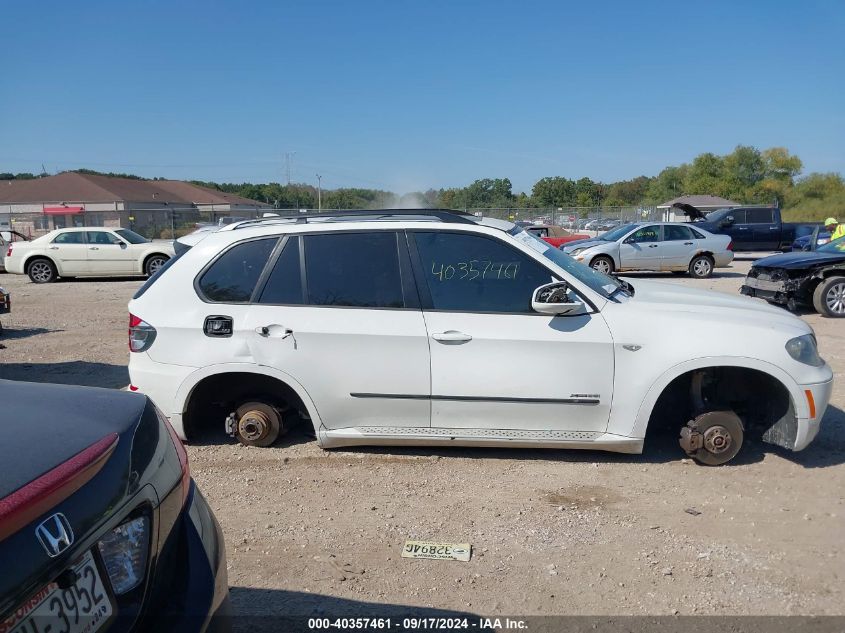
(687, 243)
(451, 336)
(273, 330)
(652, 245)
(93, 248)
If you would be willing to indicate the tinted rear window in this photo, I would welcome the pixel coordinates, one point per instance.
(285, 283)
(353, 269)
(232, 277)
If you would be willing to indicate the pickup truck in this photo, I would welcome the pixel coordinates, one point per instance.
(750, 228)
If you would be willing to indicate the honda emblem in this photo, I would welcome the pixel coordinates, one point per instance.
(55, 534)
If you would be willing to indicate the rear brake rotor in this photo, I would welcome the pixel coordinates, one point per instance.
(253, 425)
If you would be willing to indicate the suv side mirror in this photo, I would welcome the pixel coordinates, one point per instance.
(727, 221)
(553, 299)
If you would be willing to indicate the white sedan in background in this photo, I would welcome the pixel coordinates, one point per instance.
(87, 252)
(659, 246)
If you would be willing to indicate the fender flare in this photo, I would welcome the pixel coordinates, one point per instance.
(647, 405)
(186, 389)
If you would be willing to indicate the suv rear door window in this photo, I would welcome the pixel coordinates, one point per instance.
(472, 273)
(232, 277)
(353, 269)
(284, 286)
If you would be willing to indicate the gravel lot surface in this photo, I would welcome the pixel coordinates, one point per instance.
(553, 532)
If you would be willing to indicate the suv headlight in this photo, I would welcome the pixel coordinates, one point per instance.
(804, 350)
(124, 551)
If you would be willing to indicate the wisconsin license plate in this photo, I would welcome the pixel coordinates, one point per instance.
(83, 607)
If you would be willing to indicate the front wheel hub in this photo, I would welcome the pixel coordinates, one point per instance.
(713, 438)
(717, 439)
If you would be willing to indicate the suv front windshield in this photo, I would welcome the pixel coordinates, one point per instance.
(603, 284)
(615, 234)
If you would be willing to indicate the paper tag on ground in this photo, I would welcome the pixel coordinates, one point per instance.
(437, 551)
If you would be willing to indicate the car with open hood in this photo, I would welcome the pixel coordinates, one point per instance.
(815, 278)
(435, 327)
(750, 228)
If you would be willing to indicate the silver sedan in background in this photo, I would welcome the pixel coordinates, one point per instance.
(659, 246)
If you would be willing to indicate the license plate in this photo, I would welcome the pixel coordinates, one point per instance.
(437, 551)
(83, 607)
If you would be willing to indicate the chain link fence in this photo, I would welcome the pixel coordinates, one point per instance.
(575, 217)
(163, 223)
(173, 222)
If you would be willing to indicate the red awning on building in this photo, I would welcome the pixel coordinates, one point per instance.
(63, 210)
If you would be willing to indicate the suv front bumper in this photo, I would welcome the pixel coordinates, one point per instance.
(818, 397)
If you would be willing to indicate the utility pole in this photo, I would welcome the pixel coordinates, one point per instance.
(319, 193)
(288, 165)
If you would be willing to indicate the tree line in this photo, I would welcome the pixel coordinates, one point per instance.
(747, 176)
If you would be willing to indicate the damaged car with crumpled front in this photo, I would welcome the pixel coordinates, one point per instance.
(815, 278)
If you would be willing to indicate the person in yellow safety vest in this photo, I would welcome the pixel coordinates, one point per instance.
(836, 230)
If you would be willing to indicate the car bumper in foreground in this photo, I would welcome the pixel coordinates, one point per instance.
(194, 590)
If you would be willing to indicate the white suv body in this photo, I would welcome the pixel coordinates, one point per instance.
(408, 329)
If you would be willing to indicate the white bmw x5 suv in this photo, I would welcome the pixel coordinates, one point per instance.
(442, 328)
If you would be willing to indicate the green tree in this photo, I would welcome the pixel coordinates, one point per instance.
(780, 165)
(744, 168)
(553, 191)
(706, 175)
(668, 184)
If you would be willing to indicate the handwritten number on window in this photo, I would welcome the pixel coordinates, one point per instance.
(468, 271)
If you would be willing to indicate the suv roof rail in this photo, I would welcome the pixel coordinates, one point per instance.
(444, 215)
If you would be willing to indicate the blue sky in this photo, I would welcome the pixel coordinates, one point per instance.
(411, 95)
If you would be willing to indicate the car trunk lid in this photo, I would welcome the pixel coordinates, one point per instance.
(77, 463)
